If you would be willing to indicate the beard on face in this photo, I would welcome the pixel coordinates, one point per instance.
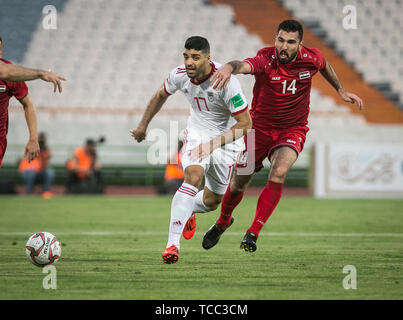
(193, 74)
(285, 60)
(196, 71)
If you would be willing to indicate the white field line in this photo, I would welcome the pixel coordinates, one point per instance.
(268, 234)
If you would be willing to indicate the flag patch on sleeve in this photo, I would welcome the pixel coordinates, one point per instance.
(237, 101)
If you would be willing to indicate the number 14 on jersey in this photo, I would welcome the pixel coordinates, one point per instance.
(291, 87)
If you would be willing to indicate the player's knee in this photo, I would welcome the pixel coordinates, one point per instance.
(194, 176)
(278, 173)
(194, 180)
(237, 188)
(212, 203)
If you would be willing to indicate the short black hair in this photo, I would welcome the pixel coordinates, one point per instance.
(291, 26)
(197, 43)
(1, 39)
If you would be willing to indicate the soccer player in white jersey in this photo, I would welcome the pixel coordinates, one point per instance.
(217, 121)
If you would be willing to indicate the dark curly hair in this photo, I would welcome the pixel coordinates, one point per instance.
(291, 26)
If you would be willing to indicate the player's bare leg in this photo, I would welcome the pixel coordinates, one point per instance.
(205, 201)
(211, 199)
(182, 208)
(281, 161)
(232, 197)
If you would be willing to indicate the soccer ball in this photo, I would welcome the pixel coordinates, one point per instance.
(43, 248)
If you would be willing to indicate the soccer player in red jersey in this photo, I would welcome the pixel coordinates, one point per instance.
(280, 108)
(11, 84)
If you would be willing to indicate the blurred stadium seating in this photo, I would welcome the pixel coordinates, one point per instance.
(116, 53)
(18, 22)
(374, 48)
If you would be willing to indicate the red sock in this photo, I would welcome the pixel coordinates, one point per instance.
(267, 202)
(229, 202)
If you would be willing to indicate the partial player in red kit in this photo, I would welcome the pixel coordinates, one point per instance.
(280, 107)
(20, 91)
(11, 84)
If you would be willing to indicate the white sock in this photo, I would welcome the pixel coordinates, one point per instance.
(181, 209)
(200, 207)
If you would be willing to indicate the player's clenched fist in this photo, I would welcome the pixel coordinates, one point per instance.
(31, 150)
(139, 134)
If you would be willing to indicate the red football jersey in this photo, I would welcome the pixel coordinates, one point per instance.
(8, 89)
(281, 94)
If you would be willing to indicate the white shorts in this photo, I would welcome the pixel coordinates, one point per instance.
(218, 166)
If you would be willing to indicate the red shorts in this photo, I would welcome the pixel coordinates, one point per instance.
(266, 142)
(3, 146)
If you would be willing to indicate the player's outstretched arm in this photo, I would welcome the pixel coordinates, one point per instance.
(241, 128)
(222, 76)
(10, 72)
(32, 147)
(330, 75)
(155, 105)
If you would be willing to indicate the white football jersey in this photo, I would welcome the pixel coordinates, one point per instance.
(211, 111)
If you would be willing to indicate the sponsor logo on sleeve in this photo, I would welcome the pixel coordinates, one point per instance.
(237, 101)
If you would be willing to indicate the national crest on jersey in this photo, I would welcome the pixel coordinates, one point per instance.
(211, 110)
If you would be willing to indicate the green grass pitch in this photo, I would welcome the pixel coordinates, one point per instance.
(112, 250)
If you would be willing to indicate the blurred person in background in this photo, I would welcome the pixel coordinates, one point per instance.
(84, 169)
(174, 175)
(38, 169)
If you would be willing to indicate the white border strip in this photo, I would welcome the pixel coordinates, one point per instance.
(269, 234)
